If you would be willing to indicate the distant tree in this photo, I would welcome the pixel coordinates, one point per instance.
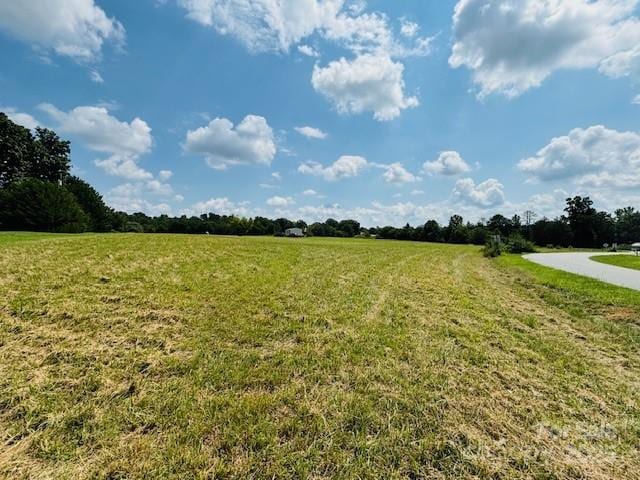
(627, 224)
(100, 216)
(350, 228)
(499, 224)
(456, 231)
(478, 235)
(50, 160)
(581, 218)
(33, 204)
(16, 150)
(432, 232)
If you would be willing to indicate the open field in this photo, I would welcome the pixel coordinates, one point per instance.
(626, 261)
(158, 356)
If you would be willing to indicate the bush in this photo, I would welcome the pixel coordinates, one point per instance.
(492, 249)
(37, 205)
(518, 244)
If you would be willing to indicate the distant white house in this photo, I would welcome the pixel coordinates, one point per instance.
(293, 232)
(635, 247)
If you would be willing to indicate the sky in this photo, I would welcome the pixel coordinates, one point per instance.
(382, 111)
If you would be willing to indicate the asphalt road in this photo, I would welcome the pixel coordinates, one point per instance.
(580, 263)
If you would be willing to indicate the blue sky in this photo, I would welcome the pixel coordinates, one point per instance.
(387, 112)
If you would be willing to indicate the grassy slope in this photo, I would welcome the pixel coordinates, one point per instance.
(194, 356)
(627, 261)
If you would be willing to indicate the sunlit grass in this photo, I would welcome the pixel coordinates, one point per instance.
(159, 356)
(626, 261)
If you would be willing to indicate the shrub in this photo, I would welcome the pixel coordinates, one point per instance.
(518, 244)
(492, 249)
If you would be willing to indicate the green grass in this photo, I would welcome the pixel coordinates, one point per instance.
(158, 356)
(626, 261)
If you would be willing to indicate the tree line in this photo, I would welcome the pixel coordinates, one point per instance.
(38, 193)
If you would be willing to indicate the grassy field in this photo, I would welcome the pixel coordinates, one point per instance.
(150, 356)
(627, 261)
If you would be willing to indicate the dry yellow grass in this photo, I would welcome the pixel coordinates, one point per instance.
(149, 356)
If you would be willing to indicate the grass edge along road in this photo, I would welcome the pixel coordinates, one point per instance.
(131, 356)
(624, 261)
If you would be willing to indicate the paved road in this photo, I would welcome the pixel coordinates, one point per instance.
(580, 263)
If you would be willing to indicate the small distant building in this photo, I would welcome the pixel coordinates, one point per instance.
(293, 232)
(635, 248)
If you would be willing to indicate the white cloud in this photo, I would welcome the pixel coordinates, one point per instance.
(276, 25)
(636, 100)
(417, 192)
(345, 167)
(397, 174)
(102, 132)
(20, 118)
(73, 28)
(263, 25)
(280, 201)
(369, 83)
(514, 45)
(409, 29)
(596, 156)
(165, 174)
(276, 175)
(122, 166)
(311, 132)
(489, 193)
(310, 193)
(95, 76)
(448, 163)
(623, 64)
(251, 142)
(221, 206)
(308, 50)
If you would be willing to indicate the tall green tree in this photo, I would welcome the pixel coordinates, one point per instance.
(51, 157)
(16, 150)
(33, 204)
(100, 215)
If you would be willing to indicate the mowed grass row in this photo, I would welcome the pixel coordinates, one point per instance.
(151, 356)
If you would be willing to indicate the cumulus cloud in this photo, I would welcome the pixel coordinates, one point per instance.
(595, 156)
(221, 205)
(489, 193)
(448, 163)
(636, 100)
(102, 132)
(409, 29)
(308, 50)
(20, 118)
(73, 28)
(310, 193)
(311, 132)
(276, 26)
(122, 166)
(222, 144)
(397, 174)
(369, 83)
(512, 46)
(345, 167)
(280, 201)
